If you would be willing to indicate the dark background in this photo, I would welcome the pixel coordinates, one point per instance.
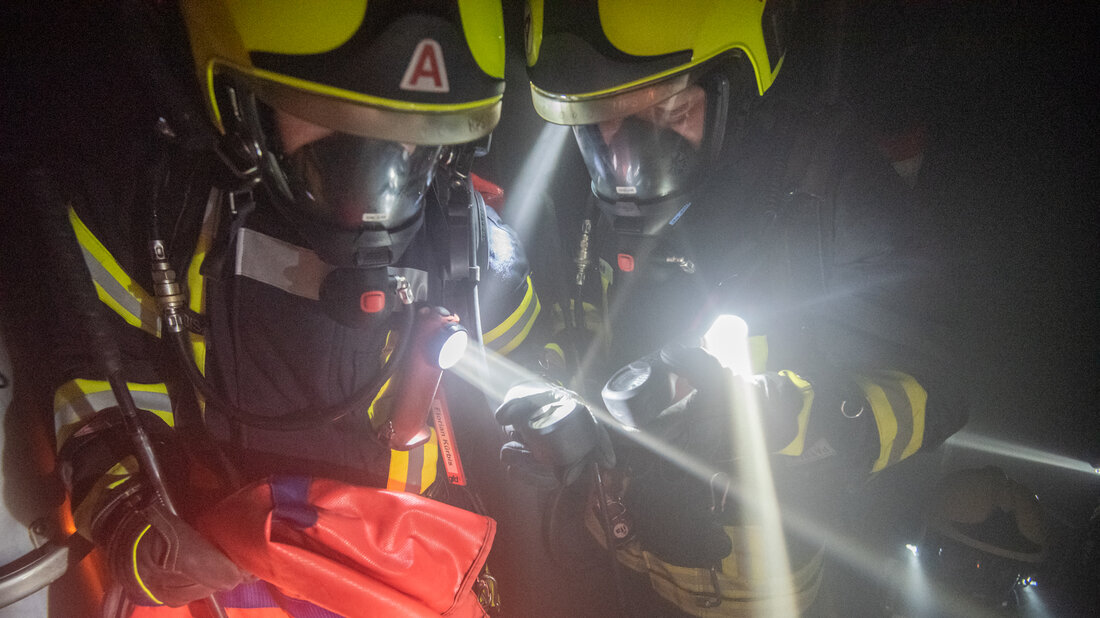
(1007, 91)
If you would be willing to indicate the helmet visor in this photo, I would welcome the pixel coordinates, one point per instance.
(347, 180)
(650, 154)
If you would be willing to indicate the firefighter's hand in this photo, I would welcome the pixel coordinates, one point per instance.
(158, 558)
(718, 391)
(554, 435)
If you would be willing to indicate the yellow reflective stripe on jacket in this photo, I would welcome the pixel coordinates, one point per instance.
(507, 335)
(78, 400)
(113, 286)
(740, 580)
(796, 446)
(556, 349)
(898, 402)
(414, 470)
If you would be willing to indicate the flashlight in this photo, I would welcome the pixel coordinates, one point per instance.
(559, 431)
(438, 342)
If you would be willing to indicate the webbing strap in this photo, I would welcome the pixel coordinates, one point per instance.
(297, 270)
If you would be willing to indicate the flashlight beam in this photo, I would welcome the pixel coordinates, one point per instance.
(530, 185)
(1004, 448)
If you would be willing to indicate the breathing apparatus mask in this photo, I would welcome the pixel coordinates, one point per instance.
(357, 201)
(644, 165)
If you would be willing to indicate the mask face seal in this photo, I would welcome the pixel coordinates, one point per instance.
(648, 155)
(356, 201)
(348, 181)
(646, 164)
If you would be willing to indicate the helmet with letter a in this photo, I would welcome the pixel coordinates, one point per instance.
(647, 87)
(342, 108)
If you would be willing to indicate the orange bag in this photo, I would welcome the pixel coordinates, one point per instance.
(356, 551)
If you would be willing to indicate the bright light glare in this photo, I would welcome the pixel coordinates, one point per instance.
(453, 349)
(995, 446)
(726, 340)
(912, 549)
(750, 485)
(528, 191)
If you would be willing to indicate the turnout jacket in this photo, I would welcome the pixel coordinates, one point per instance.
(812, 240)
(256, 328)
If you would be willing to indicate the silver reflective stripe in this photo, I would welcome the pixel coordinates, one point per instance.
(278, 263)
(415, 469)
(146, 314)
(79, 409)
(297, 270)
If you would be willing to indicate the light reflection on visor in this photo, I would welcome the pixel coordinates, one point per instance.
(649, 154)
(348, 180)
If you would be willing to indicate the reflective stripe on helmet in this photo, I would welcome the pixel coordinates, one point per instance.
(353, 54)
(630, 46)
(114, 287)
(898, 402)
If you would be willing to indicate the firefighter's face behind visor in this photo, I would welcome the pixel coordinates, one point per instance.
(348, 181)
(650, 154)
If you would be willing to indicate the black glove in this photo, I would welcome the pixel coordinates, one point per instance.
(718, 392)
(554, 435)
(158, 557)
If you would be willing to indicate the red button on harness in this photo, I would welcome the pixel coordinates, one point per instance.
(372, 301)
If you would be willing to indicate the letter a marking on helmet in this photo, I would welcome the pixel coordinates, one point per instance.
(426, 71)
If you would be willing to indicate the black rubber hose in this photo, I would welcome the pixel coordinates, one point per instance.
(309, 418)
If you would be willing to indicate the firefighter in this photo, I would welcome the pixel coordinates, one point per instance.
(985, 540)
(718, 189)
(266, 259)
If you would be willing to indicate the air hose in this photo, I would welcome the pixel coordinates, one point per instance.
(171, 299)
(77, 294)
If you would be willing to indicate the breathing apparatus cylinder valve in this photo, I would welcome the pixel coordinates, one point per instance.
(437, 342)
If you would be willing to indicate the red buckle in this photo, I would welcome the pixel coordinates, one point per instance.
(626, 262)
(372, 301)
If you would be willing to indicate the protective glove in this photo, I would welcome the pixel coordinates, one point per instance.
(158, 557)
(718, 392)
(679, 516)
(554, 435)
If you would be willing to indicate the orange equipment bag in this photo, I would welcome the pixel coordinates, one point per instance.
(355, 551)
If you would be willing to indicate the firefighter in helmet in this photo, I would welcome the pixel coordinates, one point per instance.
(718, 189)
(310, 216)
(985, 540)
